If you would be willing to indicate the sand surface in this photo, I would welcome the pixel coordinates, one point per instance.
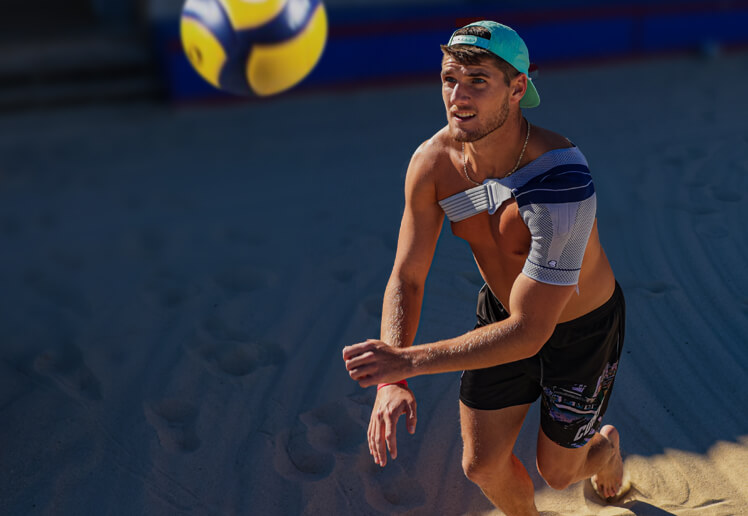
(177, 284)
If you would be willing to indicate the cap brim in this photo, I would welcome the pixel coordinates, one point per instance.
(531, 98)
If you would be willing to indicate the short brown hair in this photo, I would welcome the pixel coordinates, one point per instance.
(472, 55)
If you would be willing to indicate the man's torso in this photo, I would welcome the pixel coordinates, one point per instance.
(500, 242)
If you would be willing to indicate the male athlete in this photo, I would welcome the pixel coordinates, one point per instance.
(551, 314)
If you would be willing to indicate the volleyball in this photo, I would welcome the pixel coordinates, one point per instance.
(253, 47)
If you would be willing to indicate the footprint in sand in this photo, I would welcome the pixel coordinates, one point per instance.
(234, 358)
(296, 459)
(390, 489)
(307, 450)
(331, 428)
(174, 421)
(68, 370)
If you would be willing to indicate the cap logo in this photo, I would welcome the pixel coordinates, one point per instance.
(465, 39)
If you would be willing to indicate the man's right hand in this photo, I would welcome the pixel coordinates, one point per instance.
(392, 402)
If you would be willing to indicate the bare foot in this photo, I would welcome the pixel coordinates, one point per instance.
(607, 482)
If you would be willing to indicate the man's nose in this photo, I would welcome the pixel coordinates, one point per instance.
(459, 93)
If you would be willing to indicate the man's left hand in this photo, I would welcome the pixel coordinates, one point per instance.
(373, 362)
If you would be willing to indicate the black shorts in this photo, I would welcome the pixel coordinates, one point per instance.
(573, 371)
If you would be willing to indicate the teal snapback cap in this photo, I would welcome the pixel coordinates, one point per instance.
(506, 44)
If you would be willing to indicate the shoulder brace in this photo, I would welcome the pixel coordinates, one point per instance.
(556, 199)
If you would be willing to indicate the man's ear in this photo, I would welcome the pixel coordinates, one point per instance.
(518, 86)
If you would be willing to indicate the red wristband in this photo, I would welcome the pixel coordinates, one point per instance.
(401, 382)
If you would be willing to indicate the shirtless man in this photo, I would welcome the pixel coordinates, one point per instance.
(523, 198)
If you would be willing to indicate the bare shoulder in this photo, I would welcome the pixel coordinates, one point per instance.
(544, 140)
(430, 159)
(433, 152)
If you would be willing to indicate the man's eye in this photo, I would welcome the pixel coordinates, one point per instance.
(448, 79)
(478, 81)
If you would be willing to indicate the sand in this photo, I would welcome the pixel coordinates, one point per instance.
(178, 283)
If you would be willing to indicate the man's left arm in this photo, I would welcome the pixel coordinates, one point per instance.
(534, 309)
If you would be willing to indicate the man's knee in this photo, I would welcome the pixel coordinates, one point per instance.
(474, 470)
(556, 474)
(488, 437)
(482, 470)
(557, 479)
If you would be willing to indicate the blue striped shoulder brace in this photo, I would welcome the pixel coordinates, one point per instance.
(556, 200)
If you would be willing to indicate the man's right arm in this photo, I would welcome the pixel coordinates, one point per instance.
(419, 231)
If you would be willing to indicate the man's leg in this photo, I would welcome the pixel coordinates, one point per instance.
(487, 458)
(599, 458)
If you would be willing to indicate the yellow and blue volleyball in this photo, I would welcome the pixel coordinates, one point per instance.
(253, 47)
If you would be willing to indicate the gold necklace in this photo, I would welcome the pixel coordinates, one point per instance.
(516, 165)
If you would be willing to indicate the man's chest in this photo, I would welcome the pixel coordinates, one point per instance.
(503, 232)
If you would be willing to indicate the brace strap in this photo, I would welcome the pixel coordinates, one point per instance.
(488, 196)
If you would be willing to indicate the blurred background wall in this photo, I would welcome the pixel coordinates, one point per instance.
(60, 52)
(54, 52)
